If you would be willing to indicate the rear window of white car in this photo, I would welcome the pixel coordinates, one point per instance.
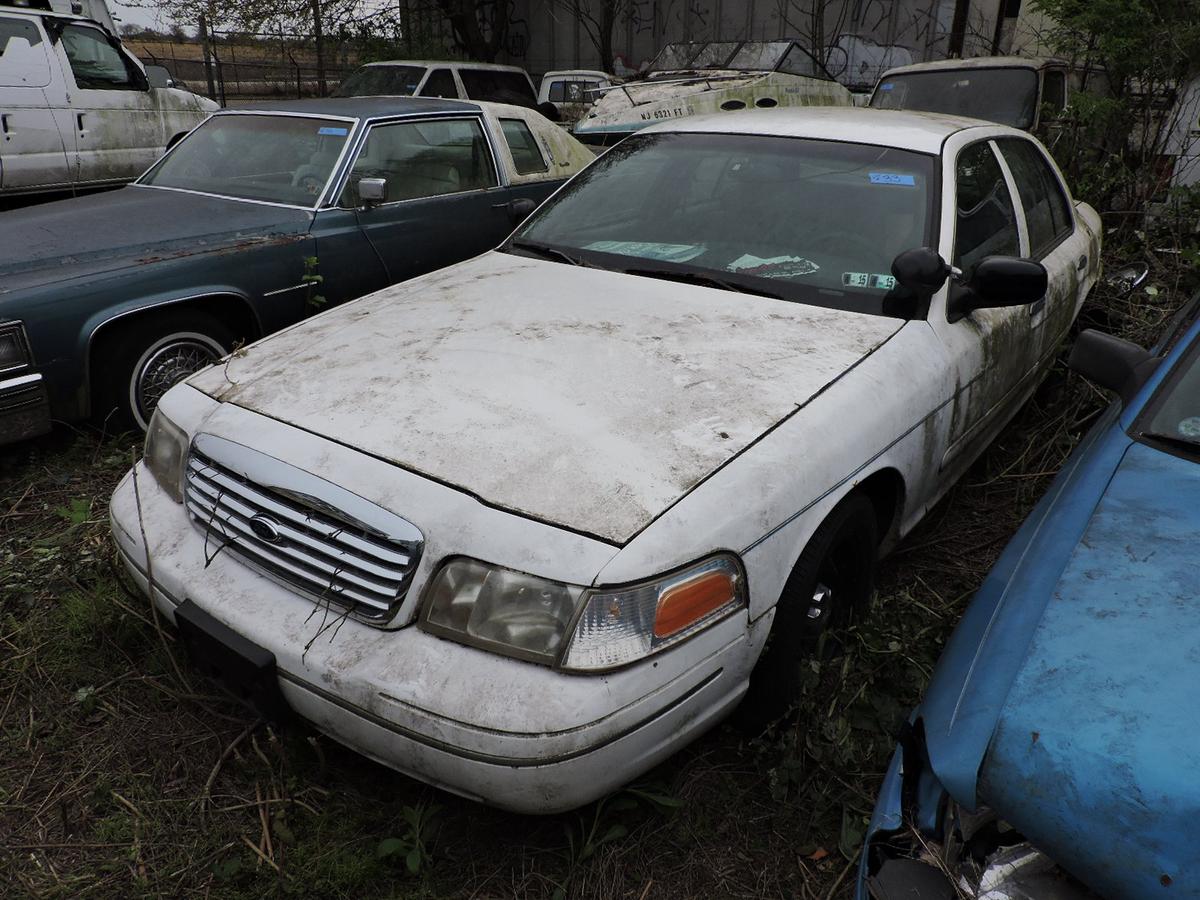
(527, 156)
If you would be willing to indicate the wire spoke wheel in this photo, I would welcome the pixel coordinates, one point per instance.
(165, 368)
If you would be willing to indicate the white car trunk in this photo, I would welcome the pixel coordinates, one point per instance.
(505, 378)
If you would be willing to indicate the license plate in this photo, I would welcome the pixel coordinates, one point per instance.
(245, 669)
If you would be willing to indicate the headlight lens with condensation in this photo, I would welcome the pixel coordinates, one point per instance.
(165, 454)
(500, 610)
(621, 626)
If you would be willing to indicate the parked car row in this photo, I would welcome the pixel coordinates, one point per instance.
(630, 465)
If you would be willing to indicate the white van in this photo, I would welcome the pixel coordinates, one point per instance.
(441, 78)
(76, 108)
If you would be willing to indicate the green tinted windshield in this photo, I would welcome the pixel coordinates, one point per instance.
(280, 159)
(376, 81)
(813, 221)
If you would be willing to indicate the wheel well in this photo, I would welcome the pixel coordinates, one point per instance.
(232, 310)
(885, 490)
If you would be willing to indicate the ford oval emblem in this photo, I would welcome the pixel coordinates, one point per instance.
(265, 529)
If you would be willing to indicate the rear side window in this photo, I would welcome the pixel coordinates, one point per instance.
(440, 84)
(1054, 90)
(23, 61)
(424, 159)
(986, 222)
(527, 156)
(1047, 211)
(500, 86)
(95, 62)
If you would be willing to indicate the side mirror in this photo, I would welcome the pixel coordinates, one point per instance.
(922, 270)
(998, 281)
(372, 190)
(1111, 362)
(519, 209)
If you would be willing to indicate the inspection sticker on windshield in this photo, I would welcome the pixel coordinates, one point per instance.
(892, 178)
(868, 280)
(1189, 428)
(336, 132)
(649, 250)
(886, 86)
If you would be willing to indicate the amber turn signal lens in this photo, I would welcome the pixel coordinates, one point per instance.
(687, 603)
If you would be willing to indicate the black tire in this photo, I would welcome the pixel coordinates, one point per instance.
(832, 581)
(139, 363)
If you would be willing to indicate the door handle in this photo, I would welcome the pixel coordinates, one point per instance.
(1082, 263)
(79, 125)
(5, 128)
(518, 208)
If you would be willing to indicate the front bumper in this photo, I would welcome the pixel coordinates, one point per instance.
(24, 407)
(508, 733)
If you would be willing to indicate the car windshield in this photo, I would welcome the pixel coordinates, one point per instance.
(280, 159)
(674, 56)
(381, 81)
(1007, 96)
(816, 222)
(1174, 413)
(759, 55)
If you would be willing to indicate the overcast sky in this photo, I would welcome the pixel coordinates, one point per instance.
(127, 15)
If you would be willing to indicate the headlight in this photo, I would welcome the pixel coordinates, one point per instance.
(621, 626)
(530, 618)
(499, 609)
(165, 454)
(14, 350)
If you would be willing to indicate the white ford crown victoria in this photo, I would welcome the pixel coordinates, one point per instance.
(523, 527)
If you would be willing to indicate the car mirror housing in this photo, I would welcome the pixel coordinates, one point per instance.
(998, 281)
(922, 270)
(1111, 362)
(372, 190)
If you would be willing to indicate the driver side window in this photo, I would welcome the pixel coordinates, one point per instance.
(424, 159)
(95, 62)
(985, 222)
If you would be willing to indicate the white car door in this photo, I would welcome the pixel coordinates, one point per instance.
(1055, 240)
(32, 152)
(119, 130)
(989, 349)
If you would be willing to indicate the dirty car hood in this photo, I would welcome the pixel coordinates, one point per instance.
(584, 398)
(1094, 753)
(131, 226)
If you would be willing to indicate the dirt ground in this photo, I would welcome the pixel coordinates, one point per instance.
(123, 774)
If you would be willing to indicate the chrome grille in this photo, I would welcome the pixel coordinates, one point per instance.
(314, 537)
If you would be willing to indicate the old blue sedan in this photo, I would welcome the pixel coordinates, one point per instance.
(255, 219)
(1055, 753)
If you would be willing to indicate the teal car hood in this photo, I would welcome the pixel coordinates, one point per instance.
(132, 226)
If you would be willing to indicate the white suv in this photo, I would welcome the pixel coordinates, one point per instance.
(76, 108)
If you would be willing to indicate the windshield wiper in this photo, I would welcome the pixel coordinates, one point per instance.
(1172, 440)
(546, 252)
(702, 279)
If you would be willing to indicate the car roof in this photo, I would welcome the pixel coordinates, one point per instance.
(978, 62)
(452, 63)
(903, 129)
(557, 73)
(363, 107)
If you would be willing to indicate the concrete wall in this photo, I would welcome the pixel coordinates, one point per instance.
(546, 35)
